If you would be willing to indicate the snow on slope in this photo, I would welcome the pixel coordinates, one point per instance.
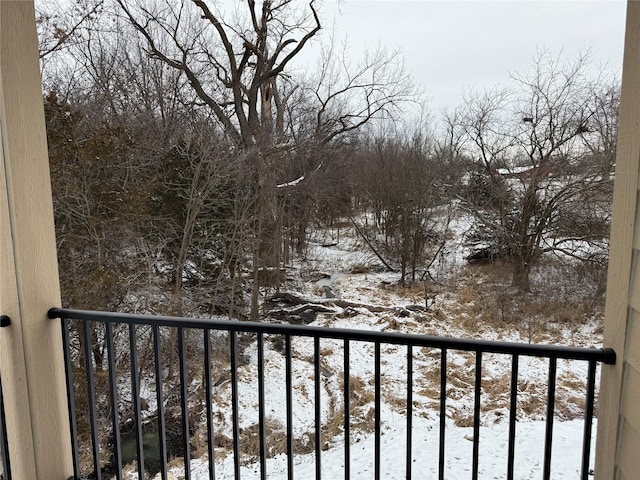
(492, 458)
(445, 320)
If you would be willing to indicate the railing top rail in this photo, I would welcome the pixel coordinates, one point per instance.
(604, 355)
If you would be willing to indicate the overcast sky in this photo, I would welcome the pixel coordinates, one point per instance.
(451, 45)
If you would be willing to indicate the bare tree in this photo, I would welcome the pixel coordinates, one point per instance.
(402, 186)
(602, 130)
(235, 59)
(529, 145)
(231, 59)
(347, 95)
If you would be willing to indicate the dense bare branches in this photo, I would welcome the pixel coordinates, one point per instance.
(62, 25)
(232, 60)
(554, 99)
(350, 95)
(534, 173)
(199, 92)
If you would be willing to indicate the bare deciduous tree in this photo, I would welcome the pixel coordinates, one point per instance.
(235, 59)
(347, 95)
(602, 130)
(231, 59)
(529, 145)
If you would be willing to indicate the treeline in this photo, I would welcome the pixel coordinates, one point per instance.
(191, 156)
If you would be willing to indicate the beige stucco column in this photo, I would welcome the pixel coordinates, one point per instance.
(31, 361)
(618, 443)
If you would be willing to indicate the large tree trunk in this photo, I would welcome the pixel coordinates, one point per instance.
(266, 254)
(520, 275)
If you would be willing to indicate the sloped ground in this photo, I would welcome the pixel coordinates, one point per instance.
(468, 301)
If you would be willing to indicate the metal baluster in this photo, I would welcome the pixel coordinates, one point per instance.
(135, 394)
(443, 411)
(184, 397)
(347, 422)
(548, 437)
(91, 397)
(377, 373)
(409, 410)
(289, 388)
(162, 434)
(234, 403)
(476, 415)
(68, 370)
(113, 395)
(588, 420)
(318, 418)
(512, 417)
(261, 401)
(208, 395)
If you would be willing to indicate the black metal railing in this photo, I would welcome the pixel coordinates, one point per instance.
(96, 342)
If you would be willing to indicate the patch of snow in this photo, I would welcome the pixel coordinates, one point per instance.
(292, 183)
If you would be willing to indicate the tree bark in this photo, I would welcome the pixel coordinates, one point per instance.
(520, 276)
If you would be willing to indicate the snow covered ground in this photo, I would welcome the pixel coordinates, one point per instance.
(456, 312)
(565, 463)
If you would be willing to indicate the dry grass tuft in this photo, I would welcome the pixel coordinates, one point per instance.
(495, 387)
(462, 418)
(533, 405)
(276, 441)
(359, 268)
(360, 393)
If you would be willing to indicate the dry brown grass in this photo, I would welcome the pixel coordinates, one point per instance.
(468, 294)
(484, 299)
(499, 271)
(361, 417)
(175, 462)
(398, 403)
(250, 440)
(334, 425)
(533, 405)
(276, 442)
(360, 392)
(200, 439)
(413, 290)
(393, 324)
(359, 268)
(572, 382)
(429, 375)
(326, 351)
(361, 396)
(462, 418)
(570, 406)
(495, 387)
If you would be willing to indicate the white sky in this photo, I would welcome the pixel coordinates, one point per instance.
(450, 46)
